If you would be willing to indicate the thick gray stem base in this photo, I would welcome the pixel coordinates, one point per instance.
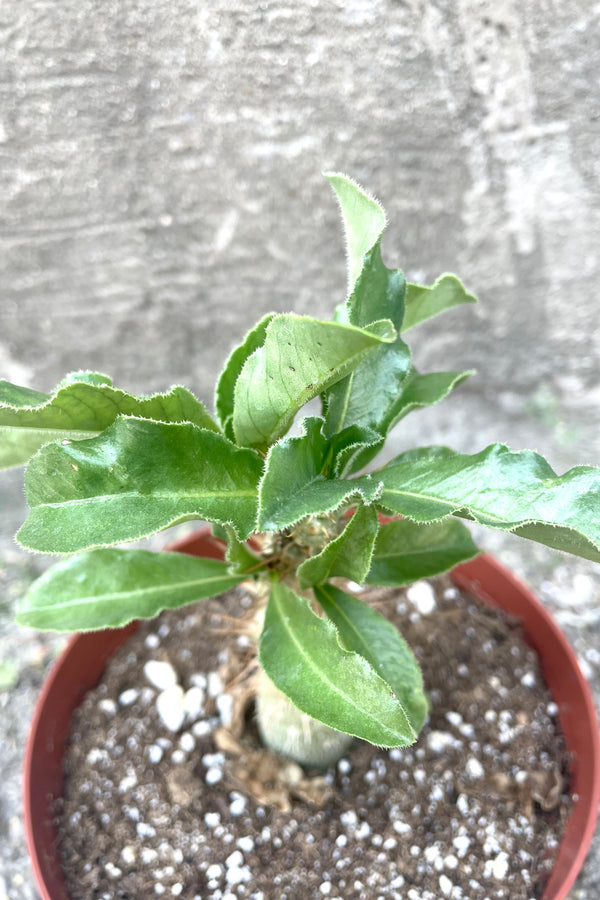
(286, 730)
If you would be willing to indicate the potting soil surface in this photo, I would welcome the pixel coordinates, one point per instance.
(165, 796)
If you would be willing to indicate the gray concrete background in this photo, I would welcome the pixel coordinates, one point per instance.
(160, 189)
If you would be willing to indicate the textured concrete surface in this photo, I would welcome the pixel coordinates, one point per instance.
(160, 188)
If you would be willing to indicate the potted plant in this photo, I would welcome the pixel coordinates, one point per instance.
(305, 518)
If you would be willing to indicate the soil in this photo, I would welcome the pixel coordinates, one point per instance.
(475, 809)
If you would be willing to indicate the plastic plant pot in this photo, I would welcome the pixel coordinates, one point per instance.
(82, 664)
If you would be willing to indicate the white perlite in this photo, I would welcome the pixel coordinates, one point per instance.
(497, 868)
(128, 697)
(187, 742)
(160, 674)
(237, 805)
(422, 597)
(474, 769)
(154, 753)
(237, 872)
(169, 705)
(214, 872)
(246, 843)
(112, 871)
(193, 703)
(445, 885)
(108, 707)
(224, 703)
(440, 741)
(127, 783)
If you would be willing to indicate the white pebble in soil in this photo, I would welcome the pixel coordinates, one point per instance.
(169, 705)
(128, 783)
(212, 819)
(440, 741)
(237, 805)
(202, 728)
(187, 742)
(160, 674)
(461, 844)
(445, 885)
(154, 753)
(193, 703)
(213, 775)
(497, 868)
(224, 703)
(108, 707)
(245, 843)
(422, 597)
(473, 769)
(215, 872)
(214, 685)
(128, 697)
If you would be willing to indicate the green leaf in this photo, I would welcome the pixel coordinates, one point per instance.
(84, 404)
(299, 359)
(352, 448)
(364, 397)
(17, 397)
(423, 303)
(242, 561)
(87, 377)
(293, 484)
(364, 221)
(302, 655)
(406, 551)
(109, 588)
(225, 388)
(366, 632)
(134, 479)
(511, 491)
(419, 391)
(348, 555)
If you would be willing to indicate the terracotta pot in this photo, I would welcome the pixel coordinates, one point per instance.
(81, 665)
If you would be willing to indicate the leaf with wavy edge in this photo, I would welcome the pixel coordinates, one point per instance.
(83, 404)
(293, 484)
(364, 221)
(365, 396)
(134, 479)
(302, 655)
(109, 588)
(406, 551)
(352, 448)
(511, 491)
(419, 391)
(225, 389)
(423, 302)
(348, 555)
(369, 634)
(300, 358)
